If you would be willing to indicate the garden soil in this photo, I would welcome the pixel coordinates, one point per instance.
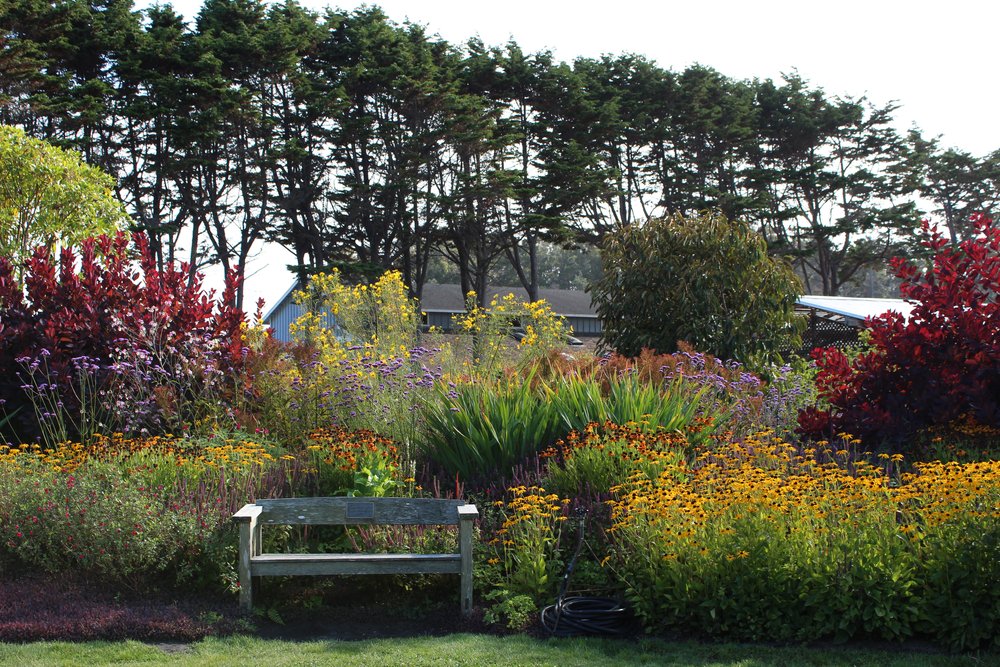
(34, 608)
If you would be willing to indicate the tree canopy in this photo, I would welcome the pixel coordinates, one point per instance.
(50, 196)
(360, 143)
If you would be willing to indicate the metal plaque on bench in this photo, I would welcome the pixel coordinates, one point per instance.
(361, 510)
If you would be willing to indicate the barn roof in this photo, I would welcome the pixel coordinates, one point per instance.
(287, 296)
(855, 308)
(448, 298)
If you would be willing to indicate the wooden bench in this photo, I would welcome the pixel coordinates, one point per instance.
(347, 512)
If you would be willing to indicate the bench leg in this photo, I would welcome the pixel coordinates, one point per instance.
(246, 549)
(465, 547)
(467, 591)
(246, 596)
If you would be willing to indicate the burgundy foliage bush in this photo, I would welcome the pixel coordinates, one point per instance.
(940, 364)
(95, 302)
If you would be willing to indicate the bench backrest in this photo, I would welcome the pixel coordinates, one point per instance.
(347, 511)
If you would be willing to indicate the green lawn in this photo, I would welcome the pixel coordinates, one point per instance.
(463, 649)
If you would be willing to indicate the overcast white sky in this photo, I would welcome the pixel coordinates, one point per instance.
(938, 60)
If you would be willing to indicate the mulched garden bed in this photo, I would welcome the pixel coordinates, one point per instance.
(34, 608)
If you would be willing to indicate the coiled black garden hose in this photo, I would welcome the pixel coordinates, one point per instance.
(582, 615)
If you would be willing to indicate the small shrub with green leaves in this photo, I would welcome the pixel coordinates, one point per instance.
(705, 280)
(101, 524)
(514, 612)
(358, 463)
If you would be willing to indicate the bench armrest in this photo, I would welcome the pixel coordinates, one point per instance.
(467, 512)
(248, 512)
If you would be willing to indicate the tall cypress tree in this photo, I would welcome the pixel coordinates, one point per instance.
(835, 163)
(958, 183)
(302, 110)
(239, 68)
(154, 83)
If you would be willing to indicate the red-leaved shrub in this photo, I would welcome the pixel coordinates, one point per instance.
(938, 365)
(106, 302)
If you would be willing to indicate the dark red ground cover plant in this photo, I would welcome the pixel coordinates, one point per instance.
(940, 364)
(37, 608)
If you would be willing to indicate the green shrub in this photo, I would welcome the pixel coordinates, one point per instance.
(762, 541)
(959, 570)
(100, 524)
(357, 463)
(705, 280)
(514, 612)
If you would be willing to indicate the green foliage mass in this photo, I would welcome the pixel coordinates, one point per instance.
(480, 429)
(49, 195)
(705, 280)
(103, 524)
